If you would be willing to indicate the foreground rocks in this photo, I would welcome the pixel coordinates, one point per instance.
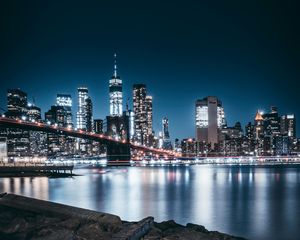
(170, 230)
(28, 218)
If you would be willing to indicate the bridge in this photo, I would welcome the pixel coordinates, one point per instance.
(117, 150)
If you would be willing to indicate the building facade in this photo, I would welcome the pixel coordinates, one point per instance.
(140, 114)
(210, 118)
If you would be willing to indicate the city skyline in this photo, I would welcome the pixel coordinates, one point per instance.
(244, 63)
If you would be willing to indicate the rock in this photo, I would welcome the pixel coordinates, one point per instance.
(167, 225)
(25, 218)
(53, 233)
(197, 228)
(92, 231)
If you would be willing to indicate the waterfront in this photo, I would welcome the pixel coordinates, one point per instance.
(257, 202)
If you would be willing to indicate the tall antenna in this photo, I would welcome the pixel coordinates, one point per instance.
(115, 65)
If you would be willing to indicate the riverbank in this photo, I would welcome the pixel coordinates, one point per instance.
(29, 218)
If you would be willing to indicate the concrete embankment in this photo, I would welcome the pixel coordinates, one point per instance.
(28, 218)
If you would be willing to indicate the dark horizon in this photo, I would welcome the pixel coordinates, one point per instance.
(247, 55)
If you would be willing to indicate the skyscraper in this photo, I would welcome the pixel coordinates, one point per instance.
(271, 123)
(167, 144)
(210, 118)
(17, 139)
(115, 93)
(288, 125)
(165, 127)
(98, 126)
(140, 114)
(149, 113)
(81, 113)
(65, 101)
(89, 114)
(149, 120)
(33, 113)
(16, 103)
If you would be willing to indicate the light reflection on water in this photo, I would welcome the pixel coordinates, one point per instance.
(258, 202)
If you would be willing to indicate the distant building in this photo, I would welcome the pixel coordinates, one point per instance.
(140, 114)
(271, 123)
(17, 139)
(115, 93)
(149, 120)
(259, 133)
(33, 113)
(271, 128)
(98, 126)
(3, 150)
(82, 108)
(56, 115)
(288, 125)
(89, 114)
(131, 124)
(210, 118)
(65, 101)
(249, 144)
(282, 145)
(188, 147)
(177, 145)
(167, 144)
(16, 104)
(37, 139)
(230, 140)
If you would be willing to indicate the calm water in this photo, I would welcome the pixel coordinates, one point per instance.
(261, 202)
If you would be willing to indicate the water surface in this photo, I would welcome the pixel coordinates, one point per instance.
(256, 202)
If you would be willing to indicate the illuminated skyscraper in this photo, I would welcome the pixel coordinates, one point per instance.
(89, 114)
(140, 114)
(149, 113)
(115, 93)
(288, 125)
(16, 103)
(81, 113)
(17, 139)
(165, 126)
(65, 101)
(167, 144)
(33, 113)
(210, 118)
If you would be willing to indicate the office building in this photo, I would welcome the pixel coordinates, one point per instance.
(167, 144)
(16, 104)
(89, 114)
(288, 125)
(210, 118)
(140, 114)
(81, 113)
(98, 126)
(65, 101)
(33, 113)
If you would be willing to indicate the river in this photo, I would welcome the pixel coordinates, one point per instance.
(256, 202)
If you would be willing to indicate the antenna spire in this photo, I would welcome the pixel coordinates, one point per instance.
(115, 65)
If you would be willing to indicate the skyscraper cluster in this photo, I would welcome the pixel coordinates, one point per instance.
(134, 125)
(268, 135)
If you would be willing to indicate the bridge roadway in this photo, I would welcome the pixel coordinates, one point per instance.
(115, 147)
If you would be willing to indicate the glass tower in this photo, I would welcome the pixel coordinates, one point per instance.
(115, 93)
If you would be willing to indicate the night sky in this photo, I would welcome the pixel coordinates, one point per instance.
(246, 54)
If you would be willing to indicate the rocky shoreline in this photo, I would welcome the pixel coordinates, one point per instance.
(28, 218)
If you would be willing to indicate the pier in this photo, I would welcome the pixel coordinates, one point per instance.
(35, 169)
